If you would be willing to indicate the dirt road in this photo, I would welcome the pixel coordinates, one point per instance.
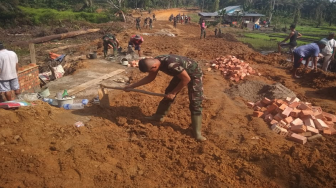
(40, 147)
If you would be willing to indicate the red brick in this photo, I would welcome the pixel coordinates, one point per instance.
(257, 114)
(296, 122)
(316, 109)
(294, 99)
(329, 117)
(282, 123)
(250, 104)
(298, 129)
(278, 117)
(286, 112)
(279, 102)
(272, 107)
(259, 104)
(274, 122)
(305, 114)
(320, 125)
(327, 131)
(304, 106)
(266, 101)
(297, 138)
(294, 105)
(288, 119)
(281, 108)
(329, 123)
(309, 122)
(306, 134)
(333, 131)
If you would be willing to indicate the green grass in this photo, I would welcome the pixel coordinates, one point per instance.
(194, 17)
(50, 16)
(268, 40)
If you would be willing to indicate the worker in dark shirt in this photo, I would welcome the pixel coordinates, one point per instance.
(150, 23)
(175, 21)
(110, 41)
(185, 72)
(137, 22)
(293, 36)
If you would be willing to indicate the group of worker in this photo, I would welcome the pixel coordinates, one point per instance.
(179, 19)
(148, 22)
(325, 48)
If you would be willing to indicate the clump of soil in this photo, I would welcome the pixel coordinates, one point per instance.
(228, 37)
(252, 90)
(60, 30)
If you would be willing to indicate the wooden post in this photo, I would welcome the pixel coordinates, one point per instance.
(32, 53)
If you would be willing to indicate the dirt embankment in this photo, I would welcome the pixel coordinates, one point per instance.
(40, 147)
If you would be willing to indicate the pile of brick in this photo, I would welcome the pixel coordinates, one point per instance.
(232, 68)
(295, 120)
(134, 63)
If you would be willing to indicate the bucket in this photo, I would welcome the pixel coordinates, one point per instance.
(124, 61)
(45, 92)
(92, 55)
(62, 102)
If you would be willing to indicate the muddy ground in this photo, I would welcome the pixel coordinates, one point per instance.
(40, 147)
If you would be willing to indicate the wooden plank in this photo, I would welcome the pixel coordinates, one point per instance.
(94, 82)
(32, 53)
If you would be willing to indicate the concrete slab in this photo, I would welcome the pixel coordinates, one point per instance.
(94, 69)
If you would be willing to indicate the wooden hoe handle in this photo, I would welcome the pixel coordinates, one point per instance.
(134, 90)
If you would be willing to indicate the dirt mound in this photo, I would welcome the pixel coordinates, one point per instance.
(256, 90)
(228, 37)
(318, 79)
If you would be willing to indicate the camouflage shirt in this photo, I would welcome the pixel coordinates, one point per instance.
(173, 65)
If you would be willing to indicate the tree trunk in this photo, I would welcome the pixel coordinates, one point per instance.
(272, 9)
(53, 37)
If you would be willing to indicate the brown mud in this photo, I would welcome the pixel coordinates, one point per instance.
(40, 146)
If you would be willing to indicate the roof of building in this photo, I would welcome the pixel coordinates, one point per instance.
(230, 12)
(230, 9)
(208, 14)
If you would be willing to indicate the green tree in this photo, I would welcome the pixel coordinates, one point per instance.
(216, 5)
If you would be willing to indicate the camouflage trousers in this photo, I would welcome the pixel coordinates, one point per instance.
(195, 92)
(203, 33)
(138, 27)
(114, 45)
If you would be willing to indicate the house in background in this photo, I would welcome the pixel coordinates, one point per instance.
(232, 14)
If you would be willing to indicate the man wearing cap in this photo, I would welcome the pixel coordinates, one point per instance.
(329, 51)
(8, 73)
(136, 41)
(185, 72)
(306, 52)
(110, 41)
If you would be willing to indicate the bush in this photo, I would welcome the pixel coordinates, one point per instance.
(50, 16)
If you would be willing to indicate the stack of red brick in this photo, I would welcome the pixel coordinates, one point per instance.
(232, 68)
(293, 119)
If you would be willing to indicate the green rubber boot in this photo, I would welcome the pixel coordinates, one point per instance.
(161, 112)
(196, 121)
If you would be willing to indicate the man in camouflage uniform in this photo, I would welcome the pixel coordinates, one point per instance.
(110, 41)
(150, 23)
(185, 72)
(137, 22)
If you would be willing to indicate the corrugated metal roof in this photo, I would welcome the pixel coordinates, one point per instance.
(230, 9)
(253, 14)
(208, 14)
